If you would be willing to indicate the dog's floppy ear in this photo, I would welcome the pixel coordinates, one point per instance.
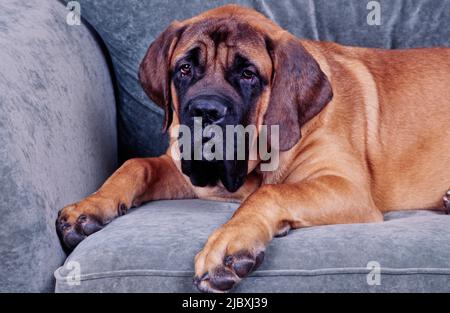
(300, 90)
(154, 71)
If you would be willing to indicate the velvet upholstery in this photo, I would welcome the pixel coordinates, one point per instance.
(58, 138)
(152, 249)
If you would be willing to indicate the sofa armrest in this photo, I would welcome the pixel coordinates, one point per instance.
(58, 138)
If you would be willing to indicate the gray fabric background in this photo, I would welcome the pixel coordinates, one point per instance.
(57, 134)
(128, 28)
(152, 249)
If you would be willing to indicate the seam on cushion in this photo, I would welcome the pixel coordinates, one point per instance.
(267, 273)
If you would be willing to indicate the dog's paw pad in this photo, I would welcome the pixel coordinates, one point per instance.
(235, 267)
(73, 227)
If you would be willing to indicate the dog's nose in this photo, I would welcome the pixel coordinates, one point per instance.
(211, 111)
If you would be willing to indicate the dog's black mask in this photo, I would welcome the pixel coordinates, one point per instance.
(220, 98)
(221, 111)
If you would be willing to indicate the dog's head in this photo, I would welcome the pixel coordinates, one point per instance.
(233, 66)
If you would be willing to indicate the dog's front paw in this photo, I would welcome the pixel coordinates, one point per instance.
(77, 221)
(231, 253)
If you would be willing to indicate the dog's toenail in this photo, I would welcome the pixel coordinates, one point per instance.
(72, 239)
(243, 267)
(196, 280)
(259, 259)
(205, 276)
(223, 279)
(123, 209)
(82, 218)
(228, 260)
(92, 227)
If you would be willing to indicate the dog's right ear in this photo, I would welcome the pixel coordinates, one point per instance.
(154, 71)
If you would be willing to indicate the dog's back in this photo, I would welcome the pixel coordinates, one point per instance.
(403, 100)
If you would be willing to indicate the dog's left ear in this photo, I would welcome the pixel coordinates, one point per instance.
(300, 90)
(154, 71)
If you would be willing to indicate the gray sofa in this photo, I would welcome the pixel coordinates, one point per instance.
(70, 106)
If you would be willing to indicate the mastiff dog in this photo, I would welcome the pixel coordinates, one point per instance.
(359, 132)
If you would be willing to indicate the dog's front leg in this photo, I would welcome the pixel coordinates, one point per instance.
(135, 182)
(237, 248)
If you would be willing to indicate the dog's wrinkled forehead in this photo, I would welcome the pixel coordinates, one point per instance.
(221, 40)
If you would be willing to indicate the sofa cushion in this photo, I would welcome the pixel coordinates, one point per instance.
(128, 28)
(153, 247)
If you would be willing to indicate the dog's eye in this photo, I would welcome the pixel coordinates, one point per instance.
(185, 69)
(247, 74)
